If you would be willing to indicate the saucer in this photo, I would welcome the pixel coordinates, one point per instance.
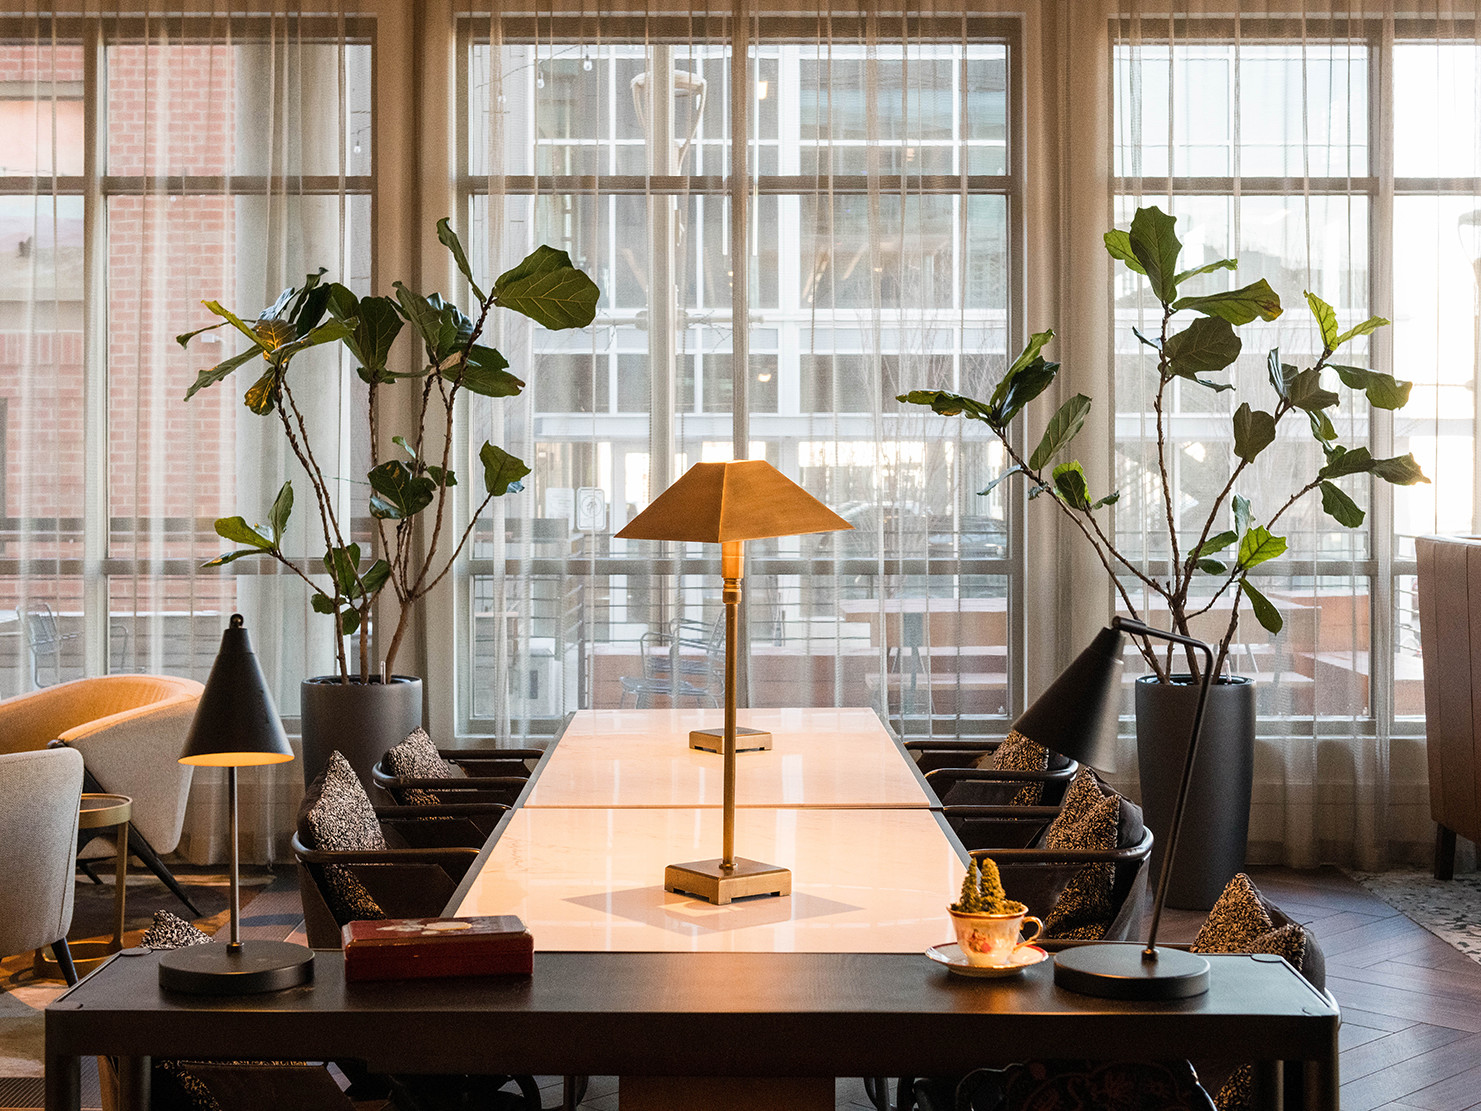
(950, 954)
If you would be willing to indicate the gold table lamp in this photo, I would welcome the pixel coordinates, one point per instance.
(728, 504)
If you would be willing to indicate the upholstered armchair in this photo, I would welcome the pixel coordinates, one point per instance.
(40, 793)
(130, 730)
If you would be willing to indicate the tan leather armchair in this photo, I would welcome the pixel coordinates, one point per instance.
(1450, 638)
(130, 730)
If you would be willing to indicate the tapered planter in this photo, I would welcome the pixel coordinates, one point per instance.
(362, 720)
(1216, 820)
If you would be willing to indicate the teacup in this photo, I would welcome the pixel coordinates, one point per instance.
(992, 939)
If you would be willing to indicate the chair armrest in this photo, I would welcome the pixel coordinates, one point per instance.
(469, 783)
(947, 777)
(1030, 857)
(1004, 813)
(944, 745)
(458, 755)
(421, 812)
(447, 857)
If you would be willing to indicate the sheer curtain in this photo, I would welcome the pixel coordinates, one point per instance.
(150, 162)
(1332, 148)
(793, 218)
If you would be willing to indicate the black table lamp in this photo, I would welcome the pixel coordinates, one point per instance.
(236, 725)
(1077, 717)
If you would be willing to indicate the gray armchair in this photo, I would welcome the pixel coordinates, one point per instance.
(40, 794)
(130, 730)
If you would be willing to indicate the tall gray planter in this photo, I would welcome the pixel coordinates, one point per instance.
(361, 720)
(1216, 820)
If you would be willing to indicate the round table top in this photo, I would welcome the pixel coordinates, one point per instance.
(99, 811)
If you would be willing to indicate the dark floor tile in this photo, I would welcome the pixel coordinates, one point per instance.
(1392, 1049)
(1404, 1080)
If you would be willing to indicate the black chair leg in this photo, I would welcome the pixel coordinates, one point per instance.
(63, 956)
(1444, 853)
(145, 852)
(87, 870)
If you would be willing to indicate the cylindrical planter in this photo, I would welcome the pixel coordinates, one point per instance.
(1216, 819)
(362, 720)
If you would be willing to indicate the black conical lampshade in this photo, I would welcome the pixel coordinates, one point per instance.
(236, 723)
(1078, 715)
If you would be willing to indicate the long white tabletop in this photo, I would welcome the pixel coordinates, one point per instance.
(641, 758)
(863, 881)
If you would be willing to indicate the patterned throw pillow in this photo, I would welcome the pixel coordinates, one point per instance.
(417, 758)
(1242, 921)
(169, 931)
(336, 816)
(1018, 753)
(1089, 819)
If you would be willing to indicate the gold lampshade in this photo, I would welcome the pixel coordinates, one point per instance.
(717, 503)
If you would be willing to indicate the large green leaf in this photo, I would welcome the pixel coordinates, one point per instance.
(1326, 318)
(349, 621)
(548, 289)
(1384, 391)
(1265, 613)
(501, 471)
(1029, 361)
(1207, 345)
(212, 375)
(1031, 350)
(235, 321)
(262, 395)
(231, 557)
(1372, 324)
(322, 603)
(1242, 515)
(1254, 431)
(1063, 427)
(310, 305)
(993, 485)
(1258, 545)
(331, 331)
(238, 531)
(438, 330)
(1341, 508)
(185, 337)
(1070, 484)
(1216, 543)
(1401, 470)
(399, 491)
(277, 516)
(1207, 268)
(1237, 306)
(1342, 461)
(1155, 245)
(1118, 243)
(1305, 391)
(449, 239)
(1280, 373)
(377, 326)
(949, 404)
(1211, 566)
(486, 375)
(1321, 427)
(375, 577)
(342, 563)
(1025, 385)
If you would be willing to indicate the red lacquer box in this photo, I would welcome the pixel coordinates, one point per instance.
(423, 948)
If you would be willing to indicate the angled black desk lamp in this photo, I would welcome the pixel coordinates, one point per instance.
(236, 725)
(1077, 717)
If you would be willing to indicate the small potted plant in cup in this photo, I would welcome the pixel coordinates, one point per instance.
(987, 922)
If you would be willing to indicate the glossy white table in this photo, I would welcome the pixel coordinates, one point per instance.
(641, 758)
(592, 880)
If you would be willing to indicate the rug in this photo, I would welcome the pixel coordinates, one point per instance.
(1449, 909)
(23, 995)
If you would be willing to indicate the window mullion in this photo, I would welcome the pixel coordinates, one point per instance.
(95, 357)
(1381, 421)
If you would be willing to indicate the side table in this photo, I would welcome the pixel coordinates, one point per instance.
(101, 811)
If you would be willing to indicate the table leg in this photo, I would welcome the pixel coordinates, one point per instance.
(133, 1083)
(120, 881)
(1268, 1089)
(1323, 1084)
(63, 1082)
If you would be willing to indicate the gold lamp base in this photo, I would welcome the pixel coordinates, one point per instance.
(707, 880)
(746, 740)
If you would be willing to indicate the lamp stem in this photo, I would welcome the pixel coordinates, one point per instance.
(732, 567)
(1137, 628)
(235, 944)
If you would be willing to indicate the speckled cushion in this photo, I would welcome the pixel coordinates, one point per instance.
(1089, 819)
(169, 931)
(417, 758)
(1244, 921)
(336, 816)
(1019, 754)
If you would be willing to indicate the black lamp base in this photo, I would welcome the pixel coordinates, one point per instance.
(1118, 970)
(246, 969)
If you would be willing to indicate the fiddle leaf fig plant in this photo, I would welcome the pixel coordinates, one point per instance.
(546, 287)
(1226, 540)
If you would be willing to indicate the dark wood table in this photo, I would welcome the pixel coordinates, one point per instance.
(692, 1014)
